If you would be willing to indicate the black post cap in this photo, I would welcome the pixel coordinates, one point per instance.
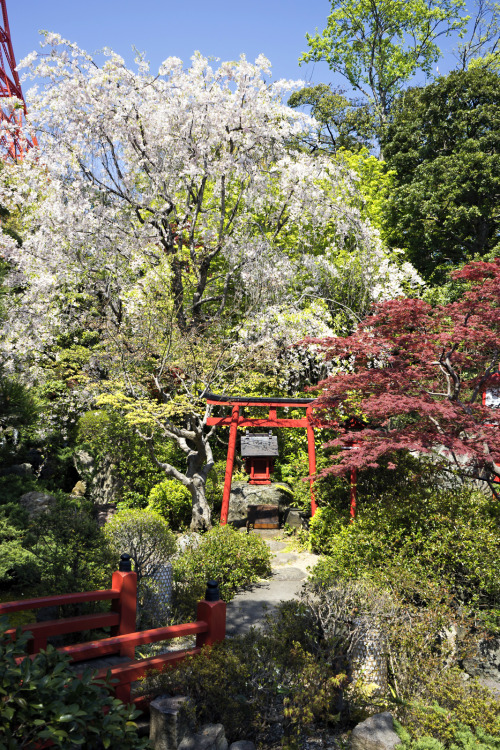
(212, 593)
(125, 564)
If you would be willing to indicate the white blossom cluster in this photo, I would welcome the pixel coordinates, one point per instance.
(194, 168)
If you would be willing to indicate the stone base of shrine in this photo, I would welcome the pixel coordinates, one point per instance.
(277, 494)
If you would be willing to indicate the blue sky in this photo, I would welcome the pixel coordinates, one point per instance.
(161, 28)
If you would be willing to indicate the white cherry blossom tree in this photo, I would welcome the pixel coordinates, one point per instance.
(181, 192)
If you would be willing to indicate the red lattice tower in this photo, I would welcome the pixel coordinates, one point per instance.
(14, 141)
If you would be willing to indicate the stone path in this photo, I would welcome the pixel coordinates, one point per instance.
(289, 570)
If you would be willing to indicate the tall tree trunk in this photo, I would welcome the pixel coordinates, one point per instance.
(201, 518)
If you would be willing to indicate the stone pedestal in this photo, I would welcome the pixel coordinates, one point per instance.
(244, 494)
(169, 722)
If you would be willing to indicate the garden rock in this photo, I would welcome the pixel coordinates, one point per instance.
(242, 745)
(169, 721)
(211, 737)
(295, 518)
(36, 502)
(376, 733)
(79, 489)
(244, 494)
(19, 470)
(188, 540)
(104, 513)
(485, 663)
(103, 486)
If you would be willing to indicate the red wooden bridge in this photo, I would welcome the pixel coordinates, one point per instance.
(209, 628)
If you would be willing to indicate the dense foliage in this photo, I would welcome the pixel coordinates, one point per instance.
(259, 685)
(45, 701)
(224, 555)
(412, 377)
(443, 144)
(179, 232)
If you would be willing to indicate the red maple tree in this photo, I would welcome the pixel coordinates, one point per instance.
(412, 378)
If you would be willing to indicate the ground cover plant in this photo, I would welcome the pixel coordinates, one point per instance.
(44, 701)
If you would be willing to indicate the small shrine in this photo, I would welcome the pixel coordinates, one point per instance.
(259, 451)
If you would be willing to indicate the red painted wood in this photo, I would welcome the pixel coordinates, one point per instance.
(105, 646)
(51, 601)
(214, 614)
(257, 422)
(311, 451)
(125, 606)
(274, 404)
(231, 449)
(72, 624)
(134, 670)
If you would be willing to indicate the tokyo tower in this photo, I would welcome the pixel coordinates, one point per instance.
(14, 141)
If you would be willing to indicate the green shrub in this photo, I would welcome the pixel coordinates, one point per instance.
(464, 738)
(44, 701)
(70, 549)
(172, 500)
(17, 564)
(222, 554)
(447, 536)
(145, 536)
(105, 432)
(265, 687)
(448, 705)
(429, 693)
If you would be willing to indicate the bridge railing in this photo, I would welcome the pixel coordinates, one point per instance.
(209, 628)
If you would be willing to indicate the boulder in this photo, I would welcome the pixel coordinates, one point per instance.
(376, 733)
(211, 737)
(36, 502)
(296, 518)
(104, 513)
(244, 494)
(242, 745)
(79, 489)
(485, 663)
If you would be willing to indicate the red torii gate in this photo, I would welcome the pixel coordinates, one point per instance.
(272, 420)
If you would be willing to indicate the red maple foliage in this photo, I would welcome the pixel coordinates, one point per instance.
(413, 378)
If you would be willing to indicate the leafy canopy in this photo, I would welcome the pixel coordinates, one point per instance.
(443, 146)
(378, 45)
(412, 377)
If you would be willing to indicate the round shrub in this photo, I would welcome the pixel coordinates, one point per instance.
(222, 554)
(173, 501)
(145, 536)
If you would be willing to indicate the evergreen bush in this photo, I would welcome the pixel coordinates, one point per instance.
(222, 554)
(43, 701)
(172, 500)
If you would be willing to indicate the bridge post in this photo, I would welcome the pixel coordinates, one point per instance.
(125, 580)
(213, 611)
